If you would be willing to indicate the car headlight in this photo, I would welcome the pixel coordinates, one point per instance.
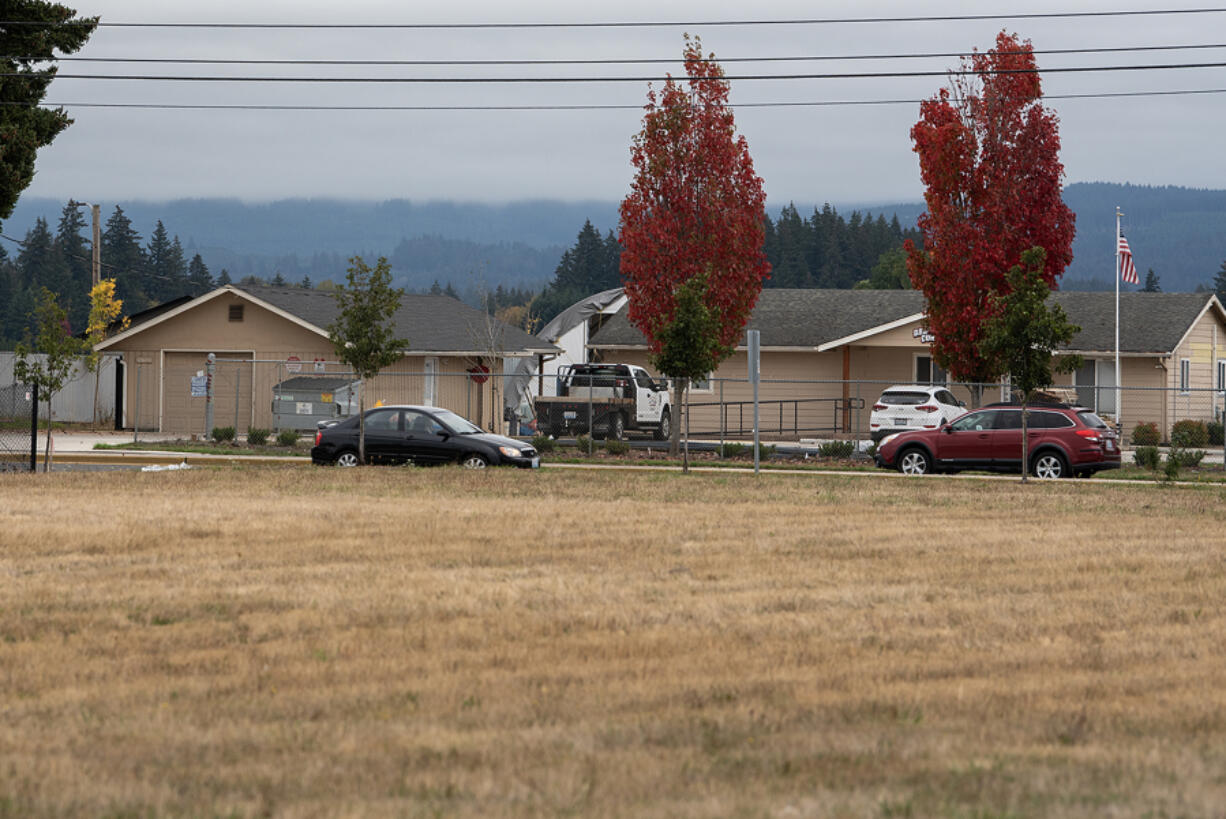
(510, 451)
(888, 438)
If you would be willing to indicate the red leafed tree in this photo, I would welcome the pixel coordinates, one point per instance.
(989, 160)
(695, 208)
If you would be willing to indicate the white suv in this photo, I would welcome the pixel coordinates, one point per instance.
(913, 406)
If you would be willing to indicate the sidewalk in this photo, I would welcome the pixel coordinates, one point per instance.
(77, 447)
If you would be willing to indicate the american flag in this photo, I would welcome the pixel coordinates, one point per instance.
(1128, 271)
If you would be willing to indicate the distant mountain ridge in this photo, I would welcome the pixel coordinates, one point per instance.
(1179, 232)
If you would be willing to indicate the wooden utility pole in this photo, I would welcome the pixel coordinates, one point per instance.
(97, 245)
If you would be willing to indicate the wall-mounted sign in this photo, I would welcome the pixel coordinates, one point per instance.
(923, 335)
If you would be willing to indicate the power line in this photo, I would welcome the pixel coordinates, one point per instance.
(642, 79)
(945, 18)
(579, 107)
(622, 60)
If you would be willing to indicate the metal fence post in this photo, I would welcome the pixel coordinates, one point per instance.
(238, 388)
(34, 428)
(722, 421)
(210, 367)
(136, 408)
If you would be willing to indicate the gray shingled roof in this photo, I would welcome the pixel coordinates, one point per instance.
(437, 324)
(1149, 322)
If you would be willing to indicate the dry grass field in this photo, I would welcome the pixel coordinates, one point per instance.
(398, 642)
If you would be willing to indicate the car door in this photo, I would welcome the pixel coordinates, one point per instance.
(383, 435)
(967, 442)
(648, 403)
(425, 441)
(1007, 440)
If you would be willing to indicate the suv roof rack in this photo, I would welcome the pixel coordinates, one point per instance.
(1036, 403)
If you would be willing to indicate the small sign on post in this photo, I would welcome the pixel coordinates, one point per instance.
(293, 364)
(200, 386)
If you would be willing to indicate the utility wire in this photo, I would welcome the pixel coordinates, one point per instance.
(558, 80)
(945, 18)
(578, 107)
(622, 61)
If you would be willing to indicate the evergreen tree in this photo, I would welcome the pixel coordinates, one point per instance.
(278, 280)
(38, 36)
(450, 291)
(305, 284)
(198, 276)
(78, 261)
(436, 289)
(1219, 282)
(591, 266)
(167, 276)
(125, 258)
(223, 278)
(1151, 283)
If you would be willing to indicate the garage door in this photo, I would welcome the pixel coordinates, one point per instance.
(184, 415)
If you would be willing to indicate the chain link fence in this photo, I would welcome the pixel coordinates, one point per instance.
(279, 395)
(18, 443)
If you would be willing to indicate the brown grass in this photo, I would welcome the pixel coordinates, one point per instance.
(399, 642)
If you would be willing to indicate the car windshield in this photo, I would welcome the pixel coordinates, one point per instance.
(456, 423)
(904, 398)
(1091, 419)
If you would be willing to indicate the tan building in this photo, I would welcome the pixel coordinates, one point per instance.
(264, 336)
(827, 354)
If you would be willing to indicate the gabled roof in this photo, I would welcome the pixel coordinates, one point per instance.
(432, 324)
(1153, 323)
(798, 319)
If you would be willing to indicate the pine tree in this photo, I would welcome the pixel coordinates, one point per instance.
(198, 276)
(122, 252)
(223, 278)
(278, 280)
(1151, 283)
(1219, 282)
(305, 284)
(77, 258)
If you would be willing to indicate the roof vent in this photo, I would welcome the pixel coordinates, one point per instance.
(236, 312)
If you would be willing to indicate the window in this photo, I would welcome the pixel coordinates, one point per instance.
(236, 312)
(1221, 375)
(1048, 420)
(980, 420)
(701, 384)
(928, 372)
(383, 421)
(1008, 419)
(1185, 375)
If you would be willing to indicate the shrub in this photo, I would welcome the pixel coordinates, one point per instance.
(731, 450)
(287, 437)
(223, 434)
(1189, 433)
(872, 450)
(543, 443)
(1188, 457)
(616, 447)
(584, 444)
(837, 449)
(1147, 457)
(1170, 469)
(257, 437)
(1145, 434)
(766, 450)
(1214, 429)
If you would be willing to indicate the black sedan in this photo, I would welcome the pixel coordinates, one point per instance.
(420, 435)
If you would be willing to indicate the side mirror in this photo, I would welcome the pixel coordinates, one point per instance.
(947, 429)
(661, 386)
(962, 404)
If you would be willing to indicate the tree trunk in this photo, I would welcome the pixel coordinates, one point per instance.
(674, 438)
(97, 379)
(685, 399)
(362, 421)
(1025, 442)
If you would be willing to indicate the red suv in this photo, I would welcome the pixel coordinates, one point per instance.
(1063, 441)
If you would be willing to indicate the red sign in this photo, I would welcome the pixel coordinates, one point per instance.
(293, 364)
(479, 373)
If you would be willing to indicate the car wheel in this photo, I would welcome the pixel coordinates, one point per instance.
(617, 427)
(665, 429)
(914, 462)
(474, 460)
(1049, 465)
(347, 458)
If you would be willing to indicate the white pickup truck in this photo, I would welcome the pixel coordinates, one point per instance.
(608, 399)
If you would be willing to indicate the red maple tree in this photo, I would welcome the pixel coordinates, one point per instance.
(696, 207)
(989, 161)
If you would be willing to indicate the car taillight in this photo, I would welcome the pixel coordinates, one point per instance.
(319, 433)
(927, 408)
(878, 407)
(1090, 435)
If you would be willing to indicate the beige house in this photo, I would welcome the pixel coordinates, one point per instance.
(263, 336)
(827, 355)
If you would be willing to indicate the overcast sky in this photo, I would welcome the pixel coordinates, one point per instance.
(849, 154)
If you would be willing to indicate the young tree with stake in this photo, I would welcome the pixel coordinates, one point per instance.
(363, 333)
(61, 350)
(695, 209)
(1023, 333)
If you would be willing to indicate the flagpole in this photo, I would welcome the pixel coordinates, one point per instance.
(1119, 409)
